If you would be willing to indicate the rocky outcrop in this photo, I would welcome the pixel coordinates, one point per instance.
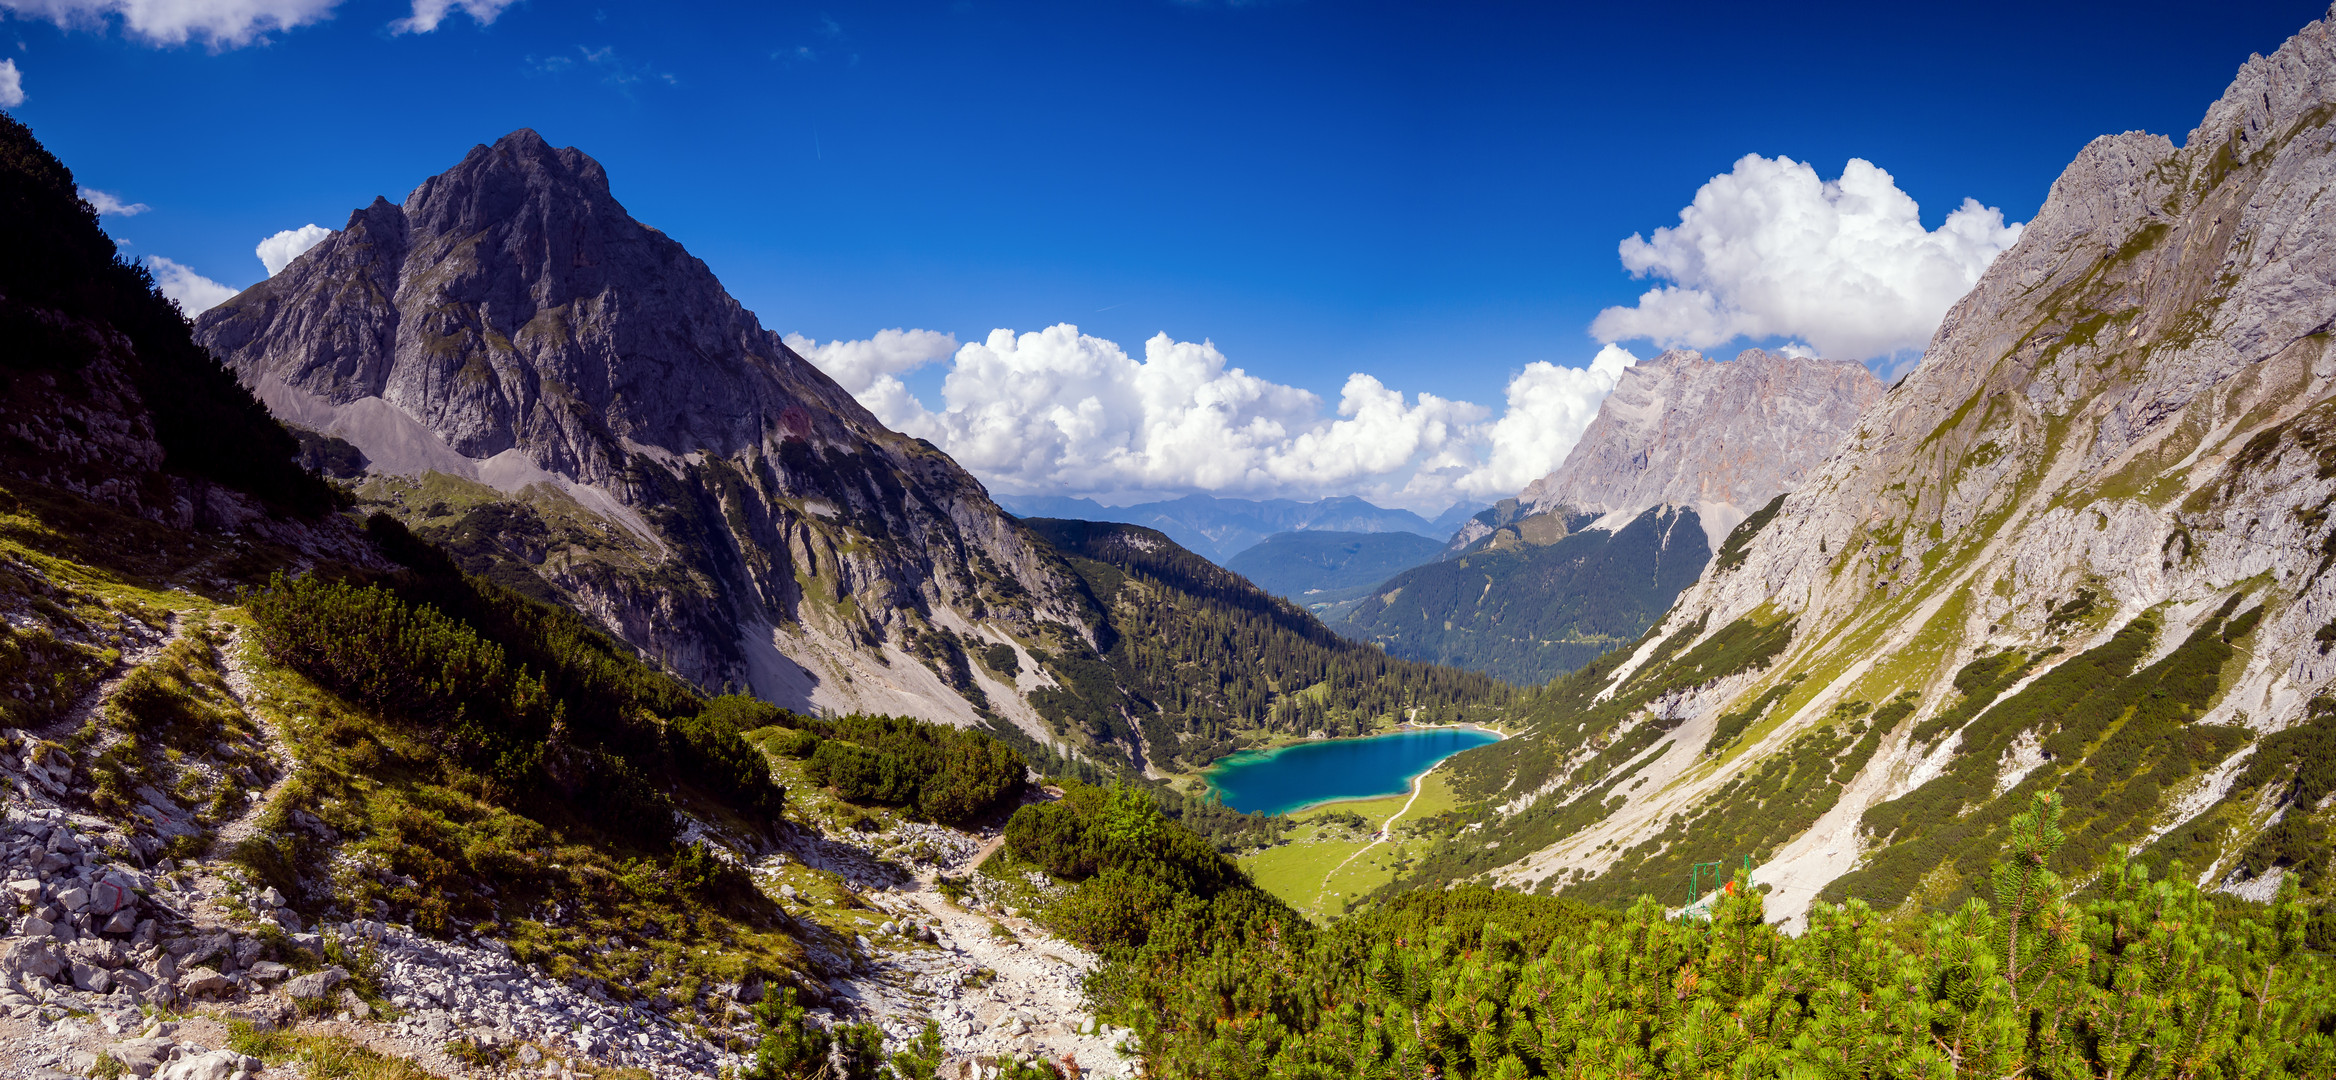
(2121, 433)
(735, 514)
(1584, 559)
(1718, 438)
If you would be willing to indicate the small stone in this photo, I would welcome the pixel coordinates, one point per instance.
(265, 1013)
(269, 971)
(36, 927)
(272, 898)
(74, 899)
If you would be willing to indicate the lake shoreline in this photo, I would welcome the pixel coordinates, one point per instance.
(1266, 757)
(1411, 792)
(1284, 742)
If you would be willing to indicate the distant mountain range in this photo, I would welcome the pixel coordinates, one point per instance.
(1221, 528)
(1322, 570)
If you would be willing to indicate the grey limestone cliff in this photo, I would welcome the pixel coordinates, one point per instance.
(2105, 495)
(1719, 438)
(574, 404)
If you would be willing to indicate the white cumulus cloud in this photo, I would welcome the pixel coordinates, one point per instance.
(278, 251)
(194, 292)
(1548, 408)
(429, 13)
(105, 203)
(1058, 411)
(223, 24)
(11, 85)
(1769, 249)
(857, 365)
(871, 368)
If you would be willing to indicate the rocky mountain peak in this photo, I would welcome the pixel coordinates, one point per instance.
(511, 304)
(1720, 437)
(494, 182)
(512, 327)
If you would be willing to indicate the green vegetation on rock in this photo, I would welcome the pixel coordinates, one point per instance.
(1528, 612)
(2111, 735)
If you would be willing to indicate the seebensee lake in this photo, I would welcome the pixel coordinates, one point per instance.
(1294, 777)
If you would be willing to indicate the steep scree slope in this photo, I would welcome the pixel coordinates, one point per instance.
(2083, 547)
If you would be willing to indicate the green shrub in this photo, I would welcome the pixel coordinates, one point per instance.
(2149, 978)
(945, 774)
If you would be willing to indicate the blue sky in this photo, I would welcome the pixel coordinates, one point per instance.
(1432, 194)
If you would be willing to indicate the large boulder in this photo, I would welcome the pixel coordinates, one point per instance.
(316, 984)
(204, 982)
(215, 1065)
(90, 977)
(142, 1057)
(30, 956)
(97, 952)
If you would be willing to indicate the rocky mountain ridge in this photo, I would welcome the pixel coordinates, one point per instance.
(1719, 438)
(2082, 547)
(599, 422)
(1584, 559)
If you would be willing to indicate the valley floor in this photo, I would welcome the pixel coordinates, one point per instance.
(1329, 860)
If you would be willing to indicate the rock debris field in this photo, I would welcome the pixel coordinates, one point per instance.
(146, 965)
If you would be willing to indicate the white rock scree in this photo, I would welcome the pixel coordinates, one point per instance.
(147, 967)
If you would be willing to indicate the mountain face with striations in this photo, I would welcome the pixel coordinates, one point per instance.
(1584, 559)
(571, 402)
(1718, 438)
(2083, 549)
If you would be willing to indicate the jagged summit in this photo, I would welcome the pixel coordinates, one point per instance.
(512, 304)
(717, 500)
(1720, 438)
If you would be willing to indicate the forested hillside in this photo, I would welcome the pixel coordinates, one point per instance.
(1208, 658)
(1532, 600)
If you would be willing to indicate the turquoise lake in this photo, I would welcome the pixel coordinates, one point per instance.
(1294, 777)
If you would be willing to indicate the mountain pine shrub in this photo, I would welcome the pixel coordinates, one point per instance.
(2145, 979)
